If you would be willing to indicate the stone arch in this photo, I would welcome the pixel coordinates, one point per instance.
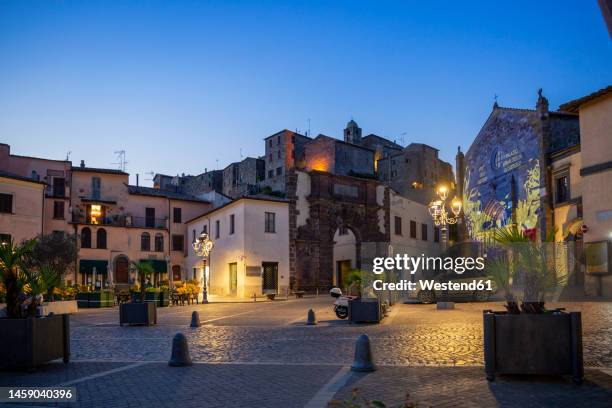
(333, 201)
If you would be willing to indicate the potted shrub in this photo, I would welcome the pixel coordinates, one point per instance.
(138, 311)
(361, 309)
(527, 338)
(152, 295)
(27, 340)
(164, 296)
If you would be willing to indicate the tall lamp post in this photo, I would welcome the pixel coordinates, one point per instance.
(441, 217)
(202, 246)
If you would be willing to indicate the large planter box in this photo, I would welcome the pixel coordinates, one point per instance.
(542, 344)
(365, 311)
(138, 313)
(164, 299)
(28, 343)
(101, 298)
(152, 297)
(59, 307)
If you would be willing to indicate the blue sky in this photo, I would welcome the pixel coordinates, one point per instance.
(184, 85)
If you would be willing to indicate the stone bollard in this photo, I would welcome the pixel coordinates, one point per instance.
(363, 355)
(180, 352)
(195, 319)
(445, 305)
(312, 320)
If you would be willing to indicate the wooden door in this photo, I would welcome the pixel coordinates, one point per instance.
(233, 279)
(122, 270)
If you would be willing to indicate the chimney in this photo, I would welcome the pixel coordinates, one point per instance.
(136, 179)
(82, 163)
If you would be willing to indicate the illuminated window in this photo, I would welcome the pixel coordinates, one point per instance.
(95, 214)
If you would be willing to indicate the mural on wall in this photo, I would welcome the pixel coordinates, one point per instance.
(499, 167)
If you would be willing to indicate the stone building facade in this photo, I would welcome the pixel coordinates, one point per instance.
(335, 219)
(192, 185)
(284, 150)
(415, 172)
(335, 156)
(507, 178)
(243, 178)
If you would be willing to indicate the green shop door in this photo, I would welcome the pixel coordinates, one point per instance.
(233, 277)
(270, 277)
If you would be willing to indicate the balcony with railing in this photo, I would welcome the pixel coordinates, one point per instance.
(121, 221)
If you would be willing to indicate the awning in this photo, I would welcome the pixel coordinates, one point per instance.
(157, 265)
(87, 265)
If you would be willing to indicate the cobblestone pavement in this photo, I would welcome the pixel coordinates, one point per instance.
(263, 354)
(275, 332)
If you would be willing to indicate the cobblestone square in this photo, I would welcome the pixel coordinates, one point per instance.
(263, 354)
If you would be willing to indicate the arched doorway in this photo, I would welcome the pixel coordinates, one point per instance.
(176, 273)
(122, 270)
(345, 255)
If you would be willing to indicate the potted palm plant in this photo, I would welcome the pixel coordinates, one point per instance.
(138, 311)
(528, 338)
(28, 340)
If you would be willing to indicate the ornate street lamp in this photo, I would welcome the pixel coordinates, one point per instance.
(202, 246)
(441, 217)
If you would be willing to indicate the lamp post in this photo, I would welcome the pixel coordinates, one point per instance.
(202, 246)
(441, 217)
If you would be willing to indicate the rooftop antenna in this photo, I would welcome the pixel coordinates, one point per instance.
(308, 132)
(217, 168)
(495, 105)
(241, 153)
(150, 174)
(401, 138)
(121, 162)
(68, 155)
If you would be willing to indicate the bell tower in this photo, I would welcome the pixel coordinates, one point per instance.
(352, 133)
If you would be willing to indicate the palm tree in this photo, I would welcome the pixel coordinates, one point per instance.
(144, 269)
(37, 281)
(532, 263)
(12, 258)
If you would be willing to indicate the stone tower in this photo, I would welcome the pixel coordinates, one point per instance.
(352, 133)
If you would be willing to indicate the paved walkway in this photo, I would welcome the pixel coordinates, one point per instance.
(264, 355)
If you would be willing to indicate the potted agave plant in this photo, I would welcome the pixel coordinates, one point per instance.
(528, 338)
(139, 311)
(29, 340)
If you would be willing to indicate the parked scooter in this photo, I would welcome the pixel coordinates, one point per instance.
(341, 303)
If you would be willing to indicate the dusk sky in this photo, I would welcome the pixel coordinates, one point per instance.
(182, 85)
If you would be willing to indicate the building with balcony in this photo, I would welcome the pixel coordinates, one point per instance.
(117, 223)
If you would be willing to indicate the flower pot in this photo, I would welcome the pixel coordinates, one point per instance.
(152, 297)
(164, 299)
(364, 311)
(542, 344)
(28, 343)
(100, 298)
(138, 313)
